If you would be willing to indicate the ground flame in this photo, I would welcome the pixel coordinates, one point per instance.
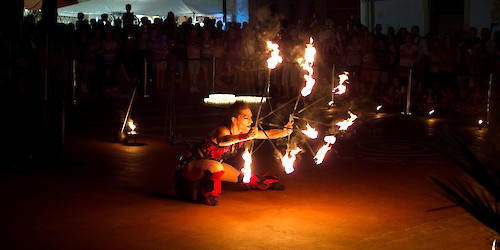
(132, 127)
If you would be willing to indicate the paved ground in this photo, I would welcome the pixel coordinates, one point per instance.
(373, 192)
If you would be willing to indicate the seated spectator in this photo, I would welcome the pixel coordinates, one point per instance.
(475, 102)
(395, 95)
(226, 80)
(428, 101)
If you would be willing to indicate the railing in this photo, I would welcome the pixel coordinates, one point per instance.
(250, 76)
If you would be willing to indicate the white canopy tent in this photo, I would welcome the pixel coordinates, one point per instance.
(145, 7)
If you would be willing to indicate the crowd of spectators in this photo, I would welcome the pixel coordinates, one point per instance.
(449, 71)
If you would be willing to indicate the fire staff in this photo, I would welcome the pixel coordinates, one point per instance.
(202, 168)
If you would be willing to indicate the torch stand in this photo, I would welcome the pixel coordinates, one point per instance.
(122, 137)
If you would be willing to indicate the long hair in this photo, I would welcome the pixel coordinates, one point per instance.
(234, 111)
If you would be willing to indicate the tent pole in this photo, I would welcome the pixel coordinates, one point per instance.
(224, 11)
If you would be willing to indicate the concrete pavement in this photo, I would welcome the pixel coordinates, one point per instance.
(372, 193)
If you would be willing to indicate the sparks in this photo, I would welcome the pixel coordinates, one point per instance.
(247, 169)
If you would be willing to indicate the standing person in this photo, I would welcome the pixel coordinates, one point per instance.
(201, 169)
(158, 45)
(193, 52)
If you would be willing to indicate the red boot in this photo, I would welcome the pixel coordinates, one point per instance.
(262, 182)
(211, 187)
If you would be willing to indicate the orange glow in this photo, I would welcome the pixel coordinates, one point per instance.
(247, 169)
(289, 158)
(275, 58)
(307, 64)
(310, 132)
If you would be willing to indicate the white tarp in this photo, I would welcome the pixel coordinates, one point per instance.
(144, 7)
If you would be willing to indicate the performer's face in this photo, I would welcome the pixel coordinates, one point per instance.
(244, 120)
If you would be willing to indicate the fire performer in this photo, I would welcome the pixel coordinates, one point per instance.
(200, 171)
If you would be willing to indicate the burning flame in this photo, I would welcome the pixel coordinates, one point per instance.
(310, 132)
(246, 170)
(343, 125)
(132, 127)
(307, 64)
(275, 58)
(341, 88)
(330, 139)
(289, 158)
(320, 155)
(494, 245)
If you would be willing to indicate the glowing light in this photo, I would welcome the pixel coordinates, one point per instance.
(379, 107)
(310, 132)
(494, 245)
(275, 58)
(222, 99)
(343, 125)
(480, 124)
(307, 64)
(247, 167)
(289, 158)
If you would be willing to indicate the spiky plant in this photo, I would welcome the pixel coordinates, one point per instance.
(482, 202)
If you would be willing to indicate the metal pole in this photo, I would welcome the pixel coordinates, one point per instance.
(73, 71)
(408, 93)
(145, 77)
(213, 73)
(128, 110)
(333, 84)
(488, 103)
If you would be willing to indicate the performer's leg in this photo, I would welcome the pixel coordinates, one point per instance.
(231, 173)
(205, 175)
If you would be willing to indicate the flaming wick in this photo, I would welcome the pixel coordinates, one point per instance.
(289, 158)
(320, 155)
(247, 169)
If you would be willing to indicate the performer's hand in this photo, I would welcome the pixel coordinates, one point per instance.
(289, 125)
(252, 133)
(290, 122)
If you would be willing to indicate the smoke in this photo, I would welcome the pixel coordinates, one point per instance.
(268, 24)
